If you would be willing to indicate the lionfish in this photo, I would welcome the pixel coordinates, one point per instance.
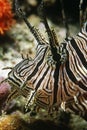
(57, 75)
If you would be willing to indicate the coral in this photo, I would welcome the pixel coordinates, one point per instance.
(6, 16)
(13, 122)
(4, 91)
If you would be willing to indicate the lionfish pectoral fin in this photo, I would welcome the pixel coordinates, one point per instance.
(39, 38)
(29, 99)
(63, 105)
(12, 95)
(7, 68)
(82, 13)
(5, 80)
(23, 85)
(26, 56)
(53, 42)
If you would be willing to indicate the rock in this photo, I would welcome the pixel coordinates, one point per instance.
(4, 91)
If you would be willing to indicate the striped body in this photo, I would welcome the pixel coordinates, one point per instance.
(52, 83)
